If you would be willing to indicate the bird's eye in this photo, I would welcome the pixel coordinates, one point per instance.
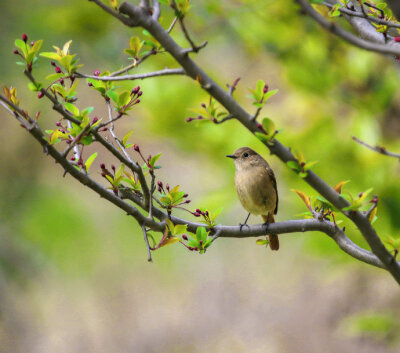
(245, 155)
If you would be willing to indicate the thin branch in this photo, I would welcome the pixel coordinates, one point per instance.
(258, 111)
(171, 27)
(379, 149)
(146, 239)
(347, 36)
(156, 10)
(151, 191)
(229, 117)
(135, 63)
(112, 12)
(355, 13)
(74, 143)
(165, 72)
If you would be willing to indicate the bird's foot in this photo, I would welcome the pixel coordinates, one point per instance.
(241, 225)
(266, 225)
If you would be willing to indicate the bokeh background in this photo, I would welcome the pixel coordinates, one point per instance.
(73, 269)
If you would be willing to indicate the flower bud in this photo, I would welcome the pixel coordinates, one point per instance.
(159, 189)
(203, 105)
(32, 43)
(137, 101)
(188, 120)
(140, 93)
(24, 37)
(62, 81)
(136, 147)
(160, 184)
(196, 214)
(40, 95)
(113, 167)
(265, 89)
(185, 195)
(397, 39)
(52, 63)
(200, 117)
(15, 51)
(73, 158)
(96, 72)
(58, 123)
(184, 237)
(198, 210)
(58, 69)
(103, 175)
(102, 166)
(95, 120)
(167, 186)
(188, 201)
(90, 84)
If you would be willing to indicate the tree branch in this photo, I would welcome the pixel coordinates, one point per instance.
(286, 227)
(379, 149)
(393, 49)
(165, 72)
(283, 153)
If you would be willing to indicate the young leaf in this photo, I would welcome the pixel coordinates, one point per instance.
(304, 197)
(90, 160)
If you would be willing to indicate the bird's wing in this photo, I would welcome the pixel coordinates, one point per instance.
(272, 176)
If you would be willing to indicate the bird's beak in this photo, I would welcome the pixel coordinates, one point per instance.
(231, 156)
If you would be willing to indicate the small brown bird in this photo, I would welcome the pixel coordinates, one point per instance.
(256, 187)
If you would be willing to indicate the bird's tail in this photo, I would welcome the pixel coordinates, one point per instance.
(273, 239)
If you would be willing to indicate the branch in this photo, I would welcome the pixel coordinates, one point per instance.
(349, 37)
(292, 226)
(165, 72)
(282, 152)
(379, 149)
(146, 239)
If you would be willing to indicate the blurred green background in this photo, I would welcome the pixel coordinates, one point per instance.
(73, 269)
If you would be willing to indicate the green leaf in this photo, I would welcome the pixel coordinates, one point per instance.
(201, 234)
(54, 77)
(21, 45)
(113, 95)
(70, 107)
(180, 229)
(262, 241)
(118, 173)
(293, 165)
(269, 94)
(269, 126)
(124, 98)
(154, 159)
(125, 138)
(90, 160)
(50, 55)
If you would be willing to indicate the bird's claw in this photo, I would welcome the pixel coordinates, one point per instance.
(241, 225)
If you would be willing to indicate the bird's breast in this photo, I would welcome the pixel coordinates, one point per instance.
(255, 190)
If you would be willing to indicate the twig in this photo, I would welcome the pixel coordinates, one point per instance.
(379, 149)
(355, 13)
(156, 10)
(172, 24)
(229, 117)
(152, 187)
(347, 36)
(74, 143)
(255, 116)
(146, 239)
(165, 72)
(134, 64)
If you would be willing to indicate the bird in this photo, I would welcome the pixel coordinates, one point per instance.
(256, 187)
